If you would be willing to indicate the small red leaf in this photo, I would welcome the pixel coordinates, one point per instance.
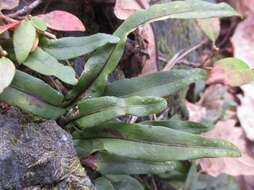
(62, 21)
(8, 26)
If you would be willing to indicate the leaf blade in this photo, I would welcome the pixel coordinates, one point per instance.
(173, 10)
(231, 71)
(30, 104)
(211, 27)
(45, 64)
(176, 123)
(111, 164)
(95, 111)
(29, 84)
(71, 47)
(7, 72)
(125, 182)
(150, 143)
(38, 23)
(103, 183)
(23, 39)
(157, 84)
(62, 21)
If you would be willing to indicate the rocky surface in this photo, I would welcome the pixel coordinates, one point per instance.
(38, 156)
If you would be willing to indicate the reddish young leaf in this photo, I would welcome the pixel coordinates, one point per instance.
(62, 21)
(4, 28)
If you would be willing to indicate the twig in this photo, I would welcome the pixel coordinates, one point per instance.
(154, 184)
(160, 117)
(58, 85)
(49, 35)
(8, 19)
(3, 52)
(133, 119)
(26, 9)
(172, 61)
(180, 55)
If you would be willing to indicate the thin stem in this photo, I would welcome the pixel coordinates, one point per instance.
(26, 9)
(180, 55)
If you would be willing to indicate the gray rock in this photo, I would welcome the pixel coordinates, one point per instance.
(38, 156)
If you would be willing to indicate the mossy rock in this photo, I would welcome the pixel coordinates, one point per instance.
(38, 156)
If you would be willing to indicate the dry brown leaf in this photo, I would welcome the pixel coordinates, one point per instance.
(213, 96)
(245, 7)
(243, 165)
(149, 64)
(125, 8)
(243, 43)
(246, 182)
(8, 4)
(211, 105)
(196, 112)
(214, 99)
(246, 110)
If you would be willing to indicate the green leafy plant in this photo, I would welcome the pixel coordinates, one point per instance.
(89, 105)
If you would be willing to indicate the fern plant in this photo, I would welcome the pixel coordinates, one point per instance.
(90, 107)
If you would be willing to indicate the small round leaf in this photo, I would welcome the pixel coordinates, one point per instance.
(23, 39)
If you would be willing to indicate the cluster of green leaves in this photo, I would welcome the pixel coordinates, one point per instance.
(93, 104)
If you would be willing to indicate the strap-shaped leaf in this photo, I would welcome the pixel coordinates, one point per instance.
(176, 123)
(98, 110)
(7, 72)
(23, 39)
(103, 183)
(71, 47)
(151, 143)
(125, 182)
(31, 85)
(111, 164)
(173, 10)
(192, 177)
(111, 56)
(118, 182)
(93, 66)
(156, 84)
(45, 64)
(30, 104)
(211, 27)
